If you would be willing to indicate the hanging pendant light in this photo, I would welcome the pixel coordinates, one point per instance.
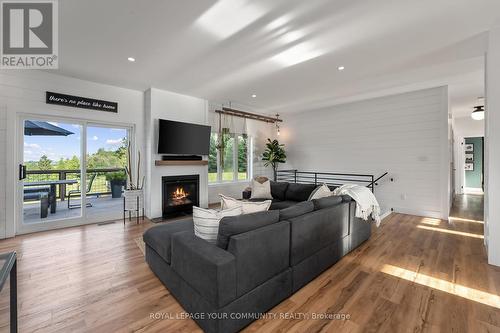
(478, 113)
(277, 126)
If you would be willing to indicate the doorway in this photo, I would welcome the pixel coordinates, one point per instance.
(473, 165)
(71, 172)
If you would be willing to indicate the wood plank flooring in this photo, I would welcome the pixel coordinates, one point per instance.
(414, 274)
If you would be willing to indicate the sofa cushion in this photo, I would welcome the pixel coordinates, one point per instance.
(206, 221)
(313, 231)
(234, 225)
(278, 204)
(159, 237)
(247, 207)
(326, 202)
(321, 191)
(299, 192)
(261, 191)
(301, 208)
(278, 190)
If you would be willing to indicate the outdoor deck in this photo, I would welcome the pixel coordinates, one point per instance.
(101, 207)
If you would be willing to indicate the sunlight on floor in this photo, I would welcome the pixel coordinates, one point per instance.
(453, 232)
(443, 285)
(430, 221)
(464, 220)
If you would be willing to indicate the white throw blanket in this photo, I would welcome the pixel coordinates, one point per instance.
(366, 203)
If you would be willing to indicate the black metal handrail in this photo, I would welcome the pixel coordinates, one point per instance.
(329, 178)
(100, 186)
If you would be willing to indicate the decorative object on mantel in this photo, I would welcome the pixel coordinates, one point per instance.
(273, 155)
(80, 102)
(133, 196)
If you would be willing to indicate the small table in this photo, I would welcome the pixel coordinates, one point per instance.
(8, 264)
(52, 184)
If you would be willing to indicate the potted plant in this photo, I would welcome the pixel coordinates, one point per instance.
(117, 180)
(273, 155)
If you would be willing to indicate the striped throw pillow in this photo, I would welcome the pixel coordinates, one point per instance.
(206, 221)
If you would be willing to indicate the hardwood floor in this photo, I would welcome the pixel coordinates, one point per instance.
(414, 274)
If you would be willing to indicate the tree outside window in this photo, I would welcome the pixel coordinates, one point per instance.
(228, 158)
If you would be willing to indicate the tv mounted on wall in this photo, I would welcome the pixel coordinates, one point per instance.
(183, 138)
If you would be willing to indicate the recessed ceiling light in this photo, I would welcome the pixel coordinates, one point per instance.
(341, 68)
(131, 59)
(253, 96)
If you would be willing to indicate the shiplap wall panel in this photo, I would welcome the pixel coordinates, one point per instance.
(401, 134)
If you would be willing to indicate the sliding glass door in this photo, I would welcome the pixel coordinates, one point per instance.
(70, 173)
(50, 170)
(106, 177)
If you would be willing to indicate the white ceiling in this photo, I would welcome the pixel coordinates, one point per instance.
(285, 51)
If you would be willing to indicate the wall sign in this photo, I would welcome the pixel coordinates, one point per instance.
(80, 102)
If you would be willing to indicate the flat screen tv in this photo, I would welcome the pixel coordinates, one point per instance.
(183, 138)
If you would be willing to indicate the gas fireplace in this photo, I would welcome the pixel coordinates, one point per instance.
(180, 194)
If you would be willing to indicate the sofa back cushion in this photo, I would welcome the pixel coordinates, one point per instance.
(314, 231)
(326, 202)
(299, 192)
(234, 225)
(260, 255)
(299, 209)
(278, 190)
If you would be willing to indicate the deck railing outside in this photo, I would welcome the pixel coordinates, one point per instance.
(100, 185)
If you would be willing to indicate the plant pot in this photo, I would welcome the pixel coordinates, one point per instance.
(116, 188)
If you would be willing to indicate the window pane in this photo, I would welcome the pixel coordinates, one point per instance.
(212, 159)
(227, 162)
(242, 157)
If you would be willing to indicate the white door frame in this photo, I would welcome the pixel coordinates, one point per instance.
(22, 228)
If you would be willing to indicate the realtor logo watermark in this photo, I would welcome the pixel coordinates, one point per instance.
(29, 34)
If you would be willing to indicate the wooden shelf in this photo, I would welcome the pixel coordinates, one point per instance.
(194, 162)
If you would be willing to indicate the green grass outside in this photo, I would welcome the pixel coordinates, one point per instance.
(226, 176)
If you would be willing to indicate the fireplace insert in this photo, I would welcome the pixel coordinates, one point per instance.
(180, 194)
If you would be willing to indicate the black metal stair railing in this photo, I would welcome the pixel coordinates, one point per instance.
(329, 178)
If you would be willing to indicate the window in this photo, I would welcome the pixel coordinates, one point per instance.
(229, 158)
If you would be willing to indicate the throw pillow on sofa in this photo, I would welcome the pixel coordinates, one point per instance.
(247, 207)
(206, 221)
(261, 191)
(319, 192)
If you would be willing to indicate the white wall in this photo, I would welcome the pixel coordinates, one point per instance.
(405, 134)
(23, 92)
(492, 148)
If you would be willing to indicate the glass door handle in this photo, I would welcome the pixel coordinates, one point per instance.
(22, 172)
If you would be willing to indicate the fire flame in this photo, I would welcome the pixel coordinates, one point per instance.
(179, 194)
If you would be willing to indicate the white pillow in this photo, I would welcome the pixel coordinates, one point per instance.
(261, 191)
(247, 207)
(206, 221)
(319, 192)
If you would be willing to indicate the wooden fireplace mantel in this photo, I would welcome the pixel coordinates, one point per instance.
(160, 162)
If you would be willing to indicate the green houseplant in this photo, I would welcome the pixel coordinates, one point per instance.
(116, 180)
(274, 154)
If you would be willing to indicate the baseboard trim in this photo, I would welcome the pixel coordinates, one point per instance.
(423, 213)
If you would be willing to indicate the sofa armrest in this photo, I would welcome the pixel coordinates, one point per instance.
(210, 270)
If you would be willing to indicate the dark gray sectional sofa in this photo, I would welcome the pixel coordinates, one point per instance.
(259, 260)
